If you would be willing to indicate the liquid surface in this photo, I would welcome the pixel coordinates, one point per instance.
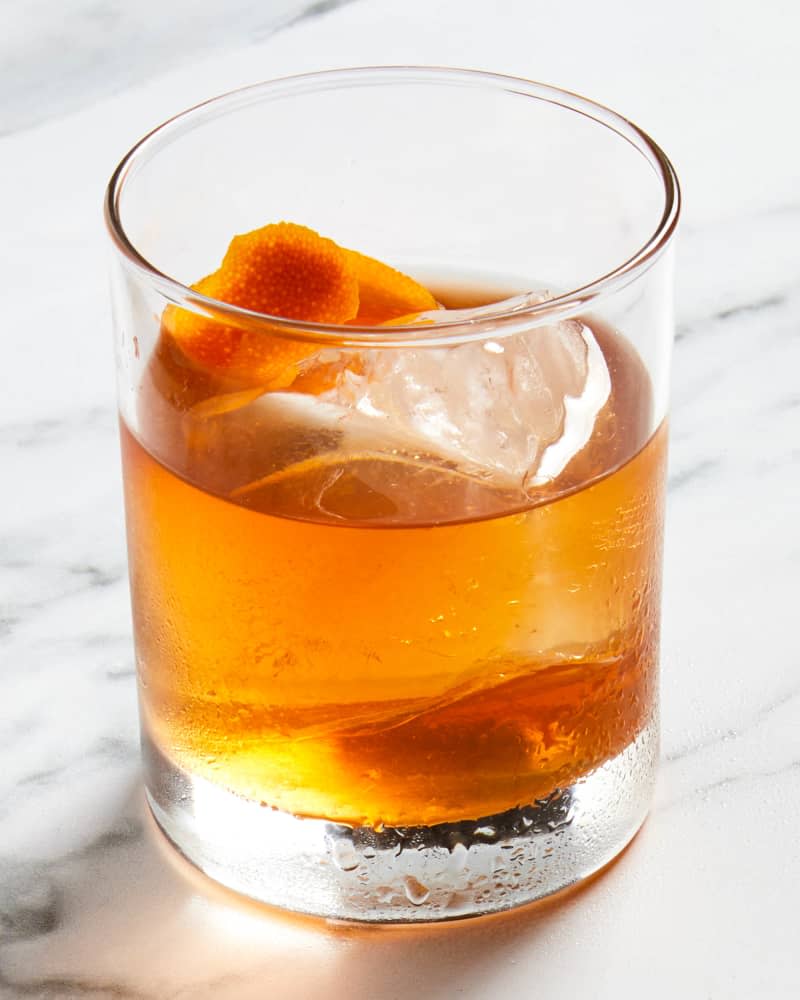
(376, 639)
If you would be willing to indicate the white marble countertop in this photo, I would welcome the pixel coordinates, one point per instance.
(703, 904)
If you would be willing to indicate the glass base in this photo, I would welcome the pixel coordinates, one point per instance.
(409, 874)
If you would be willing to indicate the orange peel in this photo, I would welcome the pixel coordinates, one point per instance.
(385, 294)
(290, 271)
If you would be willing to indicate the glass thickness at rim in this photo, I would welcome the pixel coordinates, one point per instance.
(497, 319)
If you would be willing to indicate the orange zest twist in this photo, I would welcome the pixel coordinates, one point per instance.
(289, 271)
(385, 294)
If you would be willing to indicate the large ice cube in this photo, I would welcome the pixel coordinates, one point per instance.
(397, 434)
(514, 410)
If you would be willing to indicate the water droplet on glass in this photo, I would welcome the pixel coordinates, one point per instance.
(458, 858)
(344, 856)
(416, 892)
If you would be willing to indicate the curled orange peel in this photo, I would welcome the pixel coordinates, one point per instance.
(385, 294)
(289, 271)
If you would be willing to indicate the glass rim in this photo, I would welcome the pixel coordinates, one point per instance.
(497, 317)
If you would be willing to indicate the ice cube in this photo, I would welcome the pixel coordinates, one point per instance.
(399, 434)
(514, 411)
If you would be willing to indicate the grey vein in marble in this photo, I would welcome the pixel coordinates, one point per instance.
(762, 713)
(698, 793)
(702, 468)
(55, 59)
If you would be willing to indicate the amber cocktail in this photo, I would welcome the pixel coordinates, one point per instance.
(395, 547)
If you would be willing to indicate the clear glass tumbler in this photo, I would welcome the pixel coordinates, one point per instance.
(396, 587)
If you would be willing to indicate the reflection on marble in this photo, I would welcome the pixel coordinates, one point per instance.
(702, 904)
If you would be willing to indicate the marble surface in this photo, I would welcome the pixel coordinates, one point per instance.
(703, 903)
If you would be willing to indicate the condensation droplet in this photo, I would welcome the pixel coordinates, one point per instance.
(416, 892)
(458, 858)
(345, 856)
(385, 894)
